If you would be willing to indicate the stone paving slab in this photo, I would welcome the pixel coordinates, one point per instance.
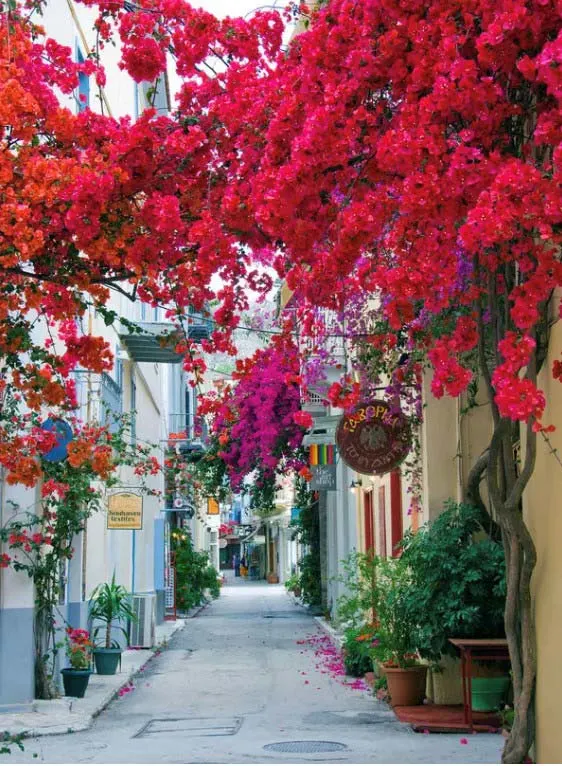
(69, 714)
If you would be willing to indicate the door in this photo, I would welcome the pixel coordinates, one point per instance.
(369, 522)
(381, 547)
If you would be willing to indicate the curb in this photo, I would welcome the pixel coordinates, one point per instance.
(74, 719)
(336, 637)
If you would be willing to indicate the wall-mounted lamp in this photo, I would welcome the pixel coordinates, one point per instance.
(355, 485)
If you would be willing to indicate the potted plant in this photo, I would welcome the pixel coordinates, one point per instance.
(394, 645)
(293, 585)
(78, 649)
(109, 604)
(457, 571)
(357, 650)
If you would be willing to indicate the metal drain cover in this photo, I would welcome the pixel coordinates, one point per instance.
(196, 727)
(310, 746)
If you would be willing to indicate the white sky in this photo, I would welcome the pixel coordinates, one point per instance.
(223, 8)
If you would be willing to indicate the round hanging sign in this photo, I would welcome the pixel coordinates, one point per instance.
(64, 435)
(373, 438)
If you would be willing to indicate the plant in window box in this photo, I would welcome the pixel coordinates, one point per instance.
(79, 651)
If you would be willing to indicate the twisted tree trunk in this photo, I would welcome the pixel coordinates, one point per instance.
(506, 490)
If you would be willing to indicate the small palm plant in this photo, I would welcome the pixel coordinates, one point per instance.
(109, 604)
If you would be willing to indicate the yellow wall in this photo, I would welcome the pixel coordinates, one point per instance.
(543, 507)
(439, 446)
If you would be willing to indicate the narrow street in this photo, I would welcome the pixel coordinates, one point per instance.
(235, 680)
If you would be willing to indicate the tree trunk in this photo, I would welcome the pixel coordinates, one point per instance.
(44, 665)
(506, 490)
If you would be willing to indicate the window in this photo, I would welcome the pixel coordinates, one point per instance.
(133, 411)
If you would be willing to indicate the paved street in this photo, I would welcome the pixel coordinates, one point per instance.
(235, 680)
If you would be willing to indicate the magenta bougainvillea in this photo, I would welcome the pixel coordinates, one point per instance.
(260, 424)
(409, 151)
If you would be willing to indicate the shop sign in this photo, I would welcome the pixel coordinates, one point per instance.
(124, 511)
(373, 438)
(323, 477)
(212, 507)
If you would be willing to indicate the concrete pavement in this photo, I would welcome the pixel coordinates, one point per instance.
(68, 714)
(236, 681)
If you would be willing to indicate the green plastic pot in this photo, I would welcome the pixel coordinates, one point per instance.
(75, 681)
(106, 661)
(489, 694)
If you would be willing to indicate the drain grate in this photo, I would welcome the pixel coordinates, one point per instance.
(197, 727)
(311, 746)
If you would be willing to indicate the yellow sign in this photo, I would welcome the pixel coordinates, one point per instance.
(124, 511)
(212, 507)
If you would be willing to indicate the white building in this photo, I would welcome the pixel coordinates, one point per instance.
(147, 380)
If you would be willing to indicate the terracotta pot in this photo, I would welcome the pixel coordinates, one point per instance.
(406, 686)
(272, 578)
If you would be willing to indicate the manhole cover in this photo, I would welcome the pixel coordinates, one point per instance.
(312, 746)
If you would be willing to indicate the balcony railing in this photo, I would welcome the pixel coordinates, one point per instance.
(156, 342)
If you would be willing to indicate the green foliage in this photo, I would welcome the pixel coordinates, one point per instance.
(263, 492)
(308, 533)
(507, 716)
(210, 473)
(395, 642)
(361, 596)
(194, 575)
(40, 540)
(457, 581)
(293, 582)
(376, 602)
(357, 650)
(7, 741)
(109, 604)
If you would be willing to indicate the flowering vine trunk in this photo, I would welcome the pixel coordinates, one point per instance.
(506, 488)
(507, 477)
(44, 633)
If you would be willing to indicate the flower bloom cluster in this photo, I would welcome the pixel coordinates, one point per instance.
(78, 648)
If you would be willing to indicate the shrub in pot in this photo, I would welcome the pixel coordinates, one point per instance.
(394, 646)
(110, 604)
(457, 571)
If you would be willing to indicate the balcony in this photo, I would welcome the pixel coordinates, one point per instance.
(156, 341)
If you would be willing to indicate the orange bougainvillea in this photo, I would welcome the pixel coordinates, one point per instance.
(79, 451)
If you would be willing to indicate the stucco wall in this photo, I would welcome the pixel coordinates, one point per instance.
(543, 508)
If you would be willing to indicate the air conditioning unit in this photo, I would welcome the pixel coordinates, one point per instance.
(143, 629)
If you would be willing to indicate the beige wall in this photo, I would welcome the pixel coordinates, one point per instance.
(439, 447)
(543, 508)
